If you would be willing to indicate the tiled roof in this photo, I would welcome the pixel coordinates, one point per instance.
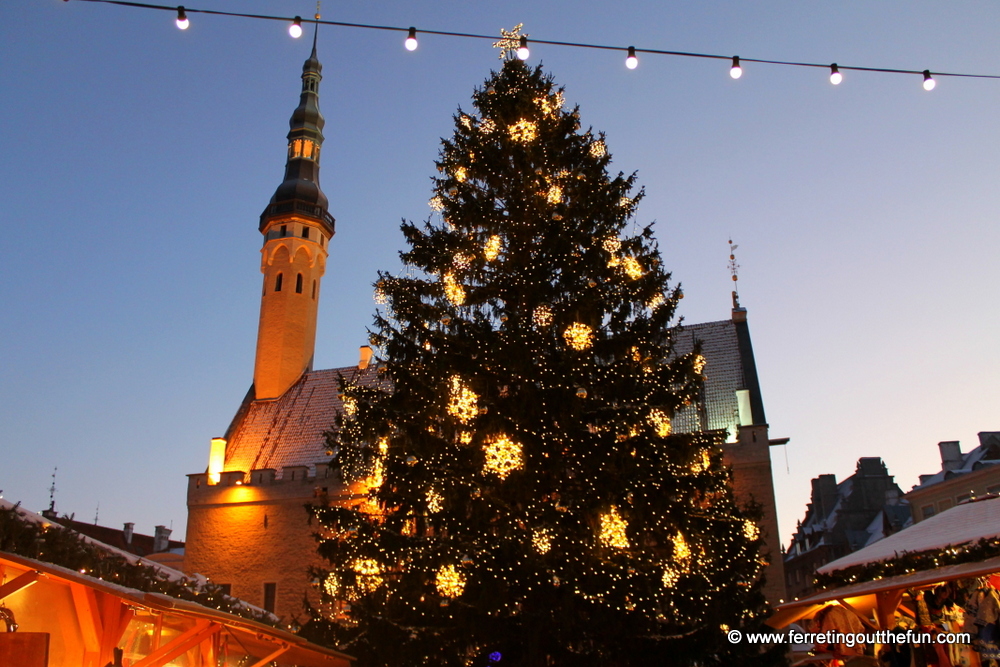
(289, 431)
(723, 372)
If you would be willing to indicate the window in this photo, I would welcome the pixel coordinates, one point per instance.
(928, 511)
(314, 289)
(270, 592)
(305, 232)
(284, 230)
(298, 284)
(322, 240)
(277, 283)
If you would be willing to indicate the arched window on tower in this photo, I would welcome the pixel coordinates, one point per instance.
(277, 283)
(314, 289)
(298, 284)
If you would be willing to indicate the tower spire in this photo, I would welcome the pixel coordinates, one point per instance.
(297, 228)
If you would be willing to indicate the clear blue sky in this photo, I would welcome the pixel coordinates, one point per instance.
(137, 159)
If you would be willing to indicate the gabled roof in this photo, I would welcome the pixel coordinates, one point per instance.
(986, 454)
(289, 431)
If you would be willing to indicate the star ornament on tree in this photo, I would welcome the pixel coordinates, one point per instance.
(510, 41)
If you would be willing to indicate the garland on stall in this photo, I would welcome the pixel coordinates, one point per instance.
(909, 562)
(52, 543)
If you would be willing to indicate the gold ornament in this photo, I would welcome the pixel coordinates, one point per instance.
(612, 244)
(750, 530)
(542, 541)
(503, 456)
(670, 576)
(463, 403)
(554, 195)
(369, 574)
(655, 302)
(460, 174)
(550, 105)
(510, 41)
(633, 269)
(453, 290)
(598, 149)
(660, 421)
(436, 204)
(699, 363)
(579, 336)
(449, 581)
(581, 392)
(435, 501)
(613, 530)
(682, 552)
(380, 296)
(331, 585)
(524, 131)
(350, 406)
(492, 248)
(542, 316)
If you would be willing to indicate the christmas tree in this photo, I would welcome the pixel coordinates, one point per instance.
(527, 500)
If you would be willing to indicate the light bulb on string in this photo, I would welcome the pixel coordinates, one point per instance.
(929, 81)
(631, 61)
(835, 76)
(522, 50)
(295, 30)
(411, 40)
(736, 71)
(182, 19)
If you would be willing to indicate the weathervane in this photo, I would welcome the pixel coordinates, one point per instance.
(510, 41)
(734, 269)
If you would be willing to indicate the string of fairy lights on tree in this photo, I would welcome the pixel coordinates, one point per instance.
(519, 44)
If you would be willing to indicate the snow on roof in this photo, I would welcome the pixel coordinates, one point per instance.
(961, 524)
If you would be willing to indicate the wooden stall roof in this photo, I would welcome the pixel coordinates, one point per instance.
(792, 611)
(255, 636)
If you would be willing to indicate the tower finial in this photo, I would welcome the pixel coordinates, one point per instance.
(734, 269)
(316, 29)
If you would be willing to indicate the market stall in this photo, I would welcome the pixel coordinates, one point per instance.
(934, 579)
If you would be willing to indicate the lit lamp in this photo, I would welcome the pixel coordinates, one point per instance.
(216, 460)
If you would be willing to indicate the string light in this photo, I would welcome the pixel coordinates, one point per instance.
(736, 71)
(660, 421)
(750, 530)
(542, 541)
(835, 76)
(435, 501)
(554, 195)
(369, 574)
(411, 40)
(182, 19)
(331, 585)
(631, 61)
(670, 576)
(522, 41)
(929, 82)
(598, 149)
(522, 50)
(524, 131)
(633, 269)
(453, 291)
(295, 30)
(542, 316)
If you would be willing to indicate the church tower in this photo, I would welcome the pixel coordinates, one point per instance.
(297, 229)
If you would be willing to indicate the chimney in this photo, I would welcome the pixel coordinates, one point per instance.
(161, 539)
(824, 494)
(127, 532)
(366, 357)
(951, 455)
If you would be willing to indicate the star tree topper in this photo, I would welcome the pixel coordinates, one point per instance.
(510, 41)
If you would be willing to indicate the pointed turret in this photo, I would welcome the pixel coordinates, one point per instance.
(297, 228)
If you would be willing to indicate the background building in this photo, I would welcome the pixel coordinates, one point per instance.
(962, 477)
(842, 518)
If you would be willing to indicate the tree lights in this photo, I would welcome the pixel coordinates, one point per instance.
(534, 499)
